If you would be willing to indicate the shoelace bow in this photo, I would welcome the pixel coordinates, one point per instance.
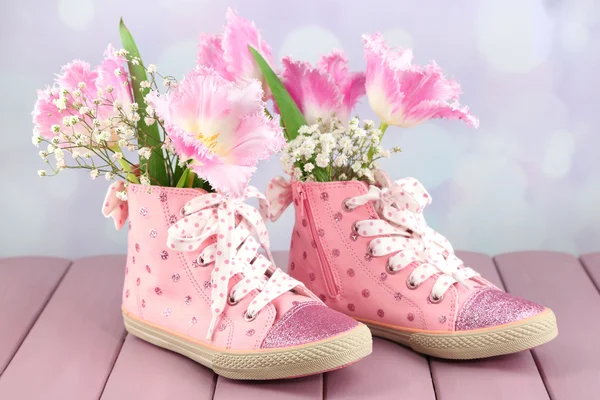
(240, 232)
(400, 205)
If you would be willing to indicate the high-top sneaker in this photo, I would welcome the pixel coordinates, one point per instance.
(367, 251)
(197, 283)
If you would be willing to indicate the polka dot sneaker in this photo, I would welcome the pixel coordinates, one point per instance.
(367, 251)
(197, 283)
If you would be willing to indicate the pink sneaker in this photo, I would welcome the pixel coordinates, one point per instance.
(196, 284)
(367, 252)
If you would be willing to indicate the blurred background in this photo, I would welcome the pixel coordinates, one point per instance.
(528, 178)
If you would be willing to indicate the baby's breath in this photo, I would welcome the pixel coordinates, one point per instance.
(334, 152)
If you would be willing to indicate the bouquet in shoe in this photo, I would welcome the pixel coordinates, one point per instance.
(324, 142)
(126, 121)
(200, 279)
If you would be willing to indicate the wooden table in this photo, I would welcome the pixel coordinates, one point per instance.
(62, 337)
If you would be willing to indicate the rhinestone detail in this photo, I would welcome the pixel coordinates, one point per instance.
(164, 255)
(338, 216)
(188, 300)
(143, 211)
(175, 277)
(153, 233)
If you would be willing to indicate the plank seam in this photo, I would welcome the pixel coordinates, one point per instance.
(114, 362)
(532, 352)
(588, 273)
(36, 316)
(214, 385)
(432, 379)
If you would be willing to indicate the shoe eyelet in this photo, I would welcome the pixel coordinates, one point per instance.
(435, 299)
(345, 206)
(231, 301)
(248, 317)
(182, 212)
(389, 269)
(354, 234)
(411, 284)
(200, 261)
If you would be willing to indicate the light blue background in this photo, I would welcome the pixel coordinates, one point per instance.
(529, 178)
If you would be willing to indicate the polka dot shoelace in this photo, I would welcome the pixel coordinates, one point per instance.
(240, 232)
(403, 235)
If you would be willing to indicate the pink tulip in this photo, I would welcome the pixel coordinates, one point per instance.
(406, 95)
(228, 54)
(219, 126)
(325, 91)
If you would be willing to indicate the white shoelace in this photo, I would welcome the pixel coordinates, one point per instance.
(240, 233)
(401, 208)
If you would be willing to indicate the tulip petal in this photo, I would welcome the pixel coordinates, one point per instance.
(314, 92)
(210, 55)
(238, 35)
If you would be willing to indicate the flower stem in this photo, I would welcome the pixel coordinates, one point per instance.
(382, 127)
(126, 167)
(190, 179)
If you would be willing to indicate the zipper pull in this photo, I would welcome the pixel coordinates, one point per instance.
(301, 195)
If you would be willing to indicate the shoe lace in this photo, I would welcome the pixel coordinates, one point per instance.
(240, 232)
(403, 234)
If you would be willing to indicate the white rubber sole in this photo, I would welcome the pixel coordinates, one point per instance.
(290, 362)
(481, 343)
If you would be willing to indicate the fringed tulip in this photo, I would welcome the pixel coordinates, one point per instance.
(228, 54)
(406, 95)
(219, 126)
(327, 91)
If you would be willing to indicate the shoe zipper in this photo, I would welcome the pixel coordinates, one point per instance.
(332, 288)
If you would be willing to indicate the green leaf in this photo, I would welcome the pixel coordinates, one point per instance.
(291, 117)
(149, 136)
(183, 180)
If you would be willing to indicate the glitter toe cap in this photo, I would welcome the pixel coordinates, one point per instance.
(491, 307)
(307, 323)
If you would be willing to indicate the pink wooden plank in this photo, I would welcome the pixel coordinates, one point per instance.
(144, 371)
(493, 378)
(569, 364)
(391, 372)
(26, 284)
(72, 347)
(591, 262)
(310, 387)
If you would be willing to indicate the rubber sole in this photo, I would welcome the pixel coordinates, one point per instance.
(290, 362)
(481, 343)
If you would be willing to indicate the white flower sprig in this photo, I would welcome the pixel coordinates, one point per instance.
(337, 152)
